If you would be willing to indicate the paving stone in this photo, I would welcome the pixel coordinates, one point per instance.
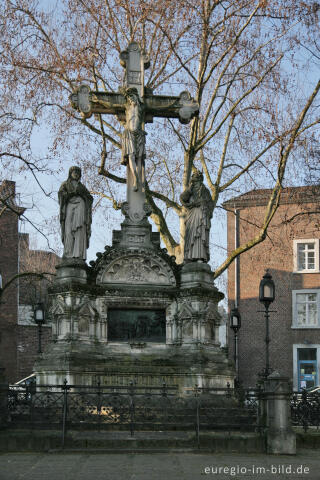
(166, 466)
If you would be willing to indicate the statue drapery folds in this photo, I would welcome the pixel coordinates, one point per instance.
(75, 215)
(198, 203)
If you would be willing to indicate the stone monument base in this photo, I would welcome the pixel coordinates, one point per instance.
(135, 315)
(148, 365)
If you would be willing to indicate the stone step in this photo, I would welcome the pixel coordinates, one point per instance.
(145, 426)
(121, 442)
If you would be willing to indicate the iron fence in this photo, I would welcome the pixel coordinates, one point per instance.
(305, 409)
(132, 408)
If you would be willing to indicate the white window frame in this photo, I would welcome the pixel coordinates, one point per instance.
(316, 255)
(295, 360)
(294, 308)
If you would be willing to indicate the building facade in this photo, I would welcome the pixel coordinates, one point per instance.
(18, 331)
(291, 254)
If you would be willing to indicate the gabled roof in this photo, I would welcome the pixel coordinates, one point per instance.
(305, 194)
(8, 197)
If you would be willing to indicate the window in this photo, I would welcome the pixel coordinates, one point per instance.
(307, 368)
(306, 255)
(306, 363)
(306, 308)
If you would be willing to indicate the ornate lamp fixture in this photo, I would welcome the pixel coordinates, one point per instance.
(39, 318)
(267, 296)
(235, 324)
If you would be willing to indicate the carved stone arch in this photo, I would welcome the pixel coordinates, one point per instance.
(86, 314)
(212, 314)
(58, 314)
(58, 308)
(86, 309)
(185, 316)
(185, 310)
(137, 269)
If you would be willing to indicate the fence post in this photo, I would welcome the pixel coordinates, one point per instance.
(262, 409)
(4, 389)
(305, 410)
(196, 392)
(30, 400)
(281, 439)
(131, 408)
(65, 389)
(99, 405)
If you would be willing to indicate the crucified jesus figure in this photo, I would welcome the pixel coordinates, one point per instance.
(134, 137)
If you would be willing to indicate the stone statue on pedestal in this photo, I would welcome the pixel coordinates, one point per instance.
(197, 200)
(75, 215)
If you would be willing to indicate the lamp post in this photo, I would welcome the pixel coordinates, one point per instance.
(39, 318)
(235, 324)
(267, 296)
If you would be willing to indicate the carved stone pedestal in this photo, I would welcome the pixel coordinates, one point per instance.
(139, 317)
(197, 274)
(72, 271)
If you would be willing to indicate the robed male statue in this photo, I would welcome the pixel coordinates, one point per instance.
(75, 215)
(198, 203)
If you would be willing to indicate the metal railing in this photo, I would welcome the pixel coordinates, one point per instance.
(305, 409)
(132, 408)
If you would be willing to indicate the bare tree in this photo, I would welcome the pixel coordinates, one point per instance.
(236, 57)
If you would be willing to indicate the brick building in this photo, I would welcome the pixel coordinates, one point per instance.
(291, 253)
(18, 332)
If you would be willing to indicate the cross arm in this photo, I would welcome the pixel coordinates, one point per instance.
(88, 102)
(183, 107)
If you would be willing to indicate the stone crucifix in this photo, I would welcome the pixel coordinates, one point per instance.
(134, 105)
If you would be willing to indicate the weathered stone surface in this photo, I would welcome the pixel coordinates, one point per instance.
(198, 204)
(138, 269)
(135, 61)
(137, 275)
(199, 274)
(119, 363)
(88, 102)
(68, 273)
(75, 216)
(281, 439)
(138, 278)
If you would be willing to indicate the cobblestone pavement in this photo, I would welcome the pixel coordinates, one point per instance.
(154, 466)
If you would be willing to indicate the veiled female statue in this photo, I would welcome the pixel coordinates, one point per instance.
(198, 202)
(75, 215)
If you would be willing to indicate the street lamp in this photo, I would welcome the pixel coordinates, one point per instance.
(39, 318)
(267, 296)
(235, 324)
